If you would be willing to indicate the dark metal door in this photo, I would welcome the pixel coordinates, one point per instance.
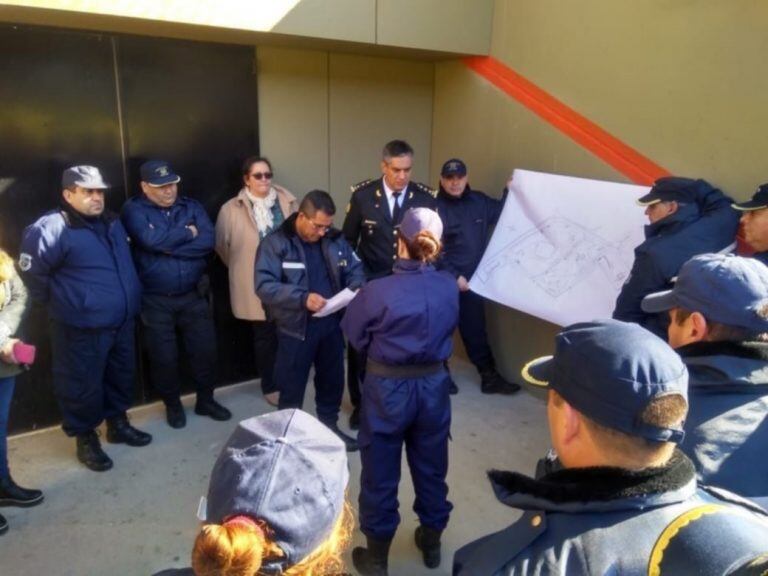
(70, 98)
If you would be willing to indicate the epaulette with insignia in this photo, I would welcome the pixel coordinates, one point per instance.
(356, 187)
(424, 188)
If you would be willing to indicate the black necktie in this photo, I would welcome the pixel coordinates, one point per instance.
(396, 208)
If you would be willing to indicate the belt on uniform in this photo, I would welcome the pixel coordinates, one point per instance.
(402, 371)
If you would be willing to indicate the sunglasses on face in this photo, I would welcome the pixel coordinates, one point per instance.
(262, 175)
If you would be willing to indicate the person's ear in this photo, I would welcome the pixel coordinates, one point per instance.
(673, 206)
(571, 423)
(383, 167)
(698, 328)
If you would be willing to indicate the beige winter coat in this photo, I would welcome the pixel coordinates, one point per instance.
(237, 239)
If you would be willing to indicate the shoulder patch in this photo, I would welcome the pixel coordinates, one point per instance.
(424, 188)
(356, 187)
(25, 261)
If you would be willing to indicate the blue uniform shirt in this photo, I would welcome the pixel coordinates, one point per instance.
(169, 259)
(467, 222)
(406, 318)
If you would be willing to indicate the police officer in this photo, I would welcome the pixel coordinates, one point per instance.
(754, 222)
(468, 216)
(370, 226)
(687, 217)
(77, 260)
(299, 267)
(173, 239)
(718, 311)
(626, 500)
(404, 323)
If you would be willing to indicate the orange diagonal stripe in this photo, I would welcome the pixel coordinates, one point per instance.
(587, 134)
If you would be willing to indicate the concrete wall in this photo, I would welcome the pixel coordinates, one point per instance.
(681, 82)
(324, 117)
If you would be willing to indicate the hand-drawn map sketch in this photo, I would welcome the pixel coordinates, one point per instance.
(562, 247)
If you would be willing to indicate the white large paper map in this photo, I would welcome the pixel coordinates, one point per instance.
(562, 247)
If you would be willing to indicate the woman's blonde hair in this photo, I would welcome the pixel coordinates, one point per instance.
(424, 246)
(7, 271)
(238, 549)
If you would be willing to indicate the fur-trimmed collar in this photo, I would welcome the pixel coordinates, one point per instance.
(751, 350)
(597, 484)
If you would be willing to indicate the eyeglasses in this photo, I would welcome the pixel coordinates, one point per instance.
(318, 227)
(262, 175)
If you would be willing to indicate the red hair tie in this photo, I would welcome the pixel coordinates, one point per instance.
(245, 520)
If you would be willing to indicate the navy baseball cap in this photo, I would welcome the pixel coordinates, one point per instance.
(758, 201)
(287, 469)
(417, 219)
(158, 173)
(83, 176)
(610, 371)
(671, 188)
(725, 288)
(454, 167)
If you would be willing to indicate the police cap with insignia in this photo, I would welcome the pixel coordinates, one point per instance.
(453, 167)
(158, 173)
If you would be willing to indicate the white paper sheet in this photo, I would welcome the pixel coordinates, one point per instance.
(336, 303)
(563, 246)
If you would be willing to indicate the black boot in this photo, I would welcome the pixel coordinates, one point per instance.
(428, 541)
(89, 452)
(209, 407)
(3, 525)
(11, 494)
(491, 382)
(349, 441)
(175, 415)
(373, 560)
(120, 431)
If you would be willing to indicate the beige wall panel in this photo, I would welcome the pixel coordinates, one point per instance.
(449, 25)
(682, 82)
(349, 20)
(372, 101)
(493, 134)
(293, 116)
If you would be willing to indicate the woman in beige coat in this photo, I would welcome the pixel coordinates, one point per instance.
(243, 221)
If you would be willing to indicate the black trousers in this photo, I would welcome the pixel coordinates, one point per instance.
(472, 330)
(355, 374)
(188, 315)
(264, 352)
(93, 373)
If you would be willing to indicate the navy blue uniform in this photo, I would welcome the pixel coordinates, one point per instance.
(468, 220)
(707, 225)
(82, 268)
(171, 261)
(613, 521)
(370, 230)
(726, 431)
(404, 320)
(287, 270)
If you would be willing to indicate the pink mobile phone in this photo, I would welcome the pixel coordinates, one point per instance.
(24, 353)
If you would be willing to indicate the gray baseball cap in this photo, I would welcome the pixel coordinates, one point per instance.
(287, 469)
(83, 176)
(417, 219)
